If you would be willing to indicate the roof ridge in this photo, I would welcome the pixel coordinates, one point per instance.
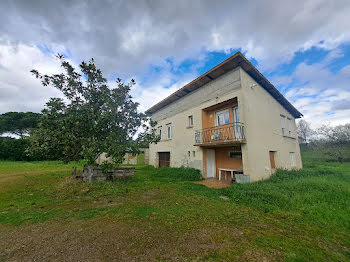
(206, 78)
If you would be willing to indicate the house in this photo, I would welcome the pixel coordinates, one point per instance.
(129, 158)
(231, 123)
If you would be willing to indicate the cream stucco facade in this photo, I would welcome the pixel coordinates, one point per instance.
(258, 110)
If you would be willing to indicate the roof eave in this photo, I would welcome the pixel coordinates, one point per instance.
(231, 63)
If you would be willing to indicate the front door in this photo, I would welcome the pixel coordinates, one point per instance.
(211, 167)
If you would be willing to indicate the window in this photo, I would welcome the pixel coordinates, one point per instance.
(292, 160)
(283, 124)
(189, 154)
(190, 121)
(160, 132)
(235, 154)
(222, 117)
(169, 131)
(289, 122)
(194, 153)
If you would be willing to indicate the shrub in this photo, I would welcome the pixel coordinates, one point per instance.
(14, 149)
(318, 194)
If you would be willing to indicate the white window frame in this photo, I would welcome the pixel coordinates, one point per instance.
(190, 121)
(160, 132)
(289, 124)
(222, 112)
(169, 130)
(283, 124)
(292, 159)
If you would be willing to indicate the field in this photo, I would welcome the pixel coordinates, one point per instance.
(161, 215)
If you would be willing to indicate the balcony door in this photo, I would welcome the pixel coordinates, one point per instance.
(237, 123)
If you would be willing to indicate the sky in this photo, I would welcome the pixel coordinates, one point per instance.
(302, 47)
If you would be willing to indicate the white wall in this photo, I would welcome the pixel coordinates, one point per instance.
(216, 91)
(259, 112)
(261, 116)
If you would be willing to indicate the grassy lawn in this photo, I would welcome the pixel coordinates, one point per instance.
(161, 214)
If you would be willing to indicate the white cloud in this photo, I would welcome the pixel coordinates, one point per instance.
(126, 37)
(322, 96)
(149, 93)
(19, 90)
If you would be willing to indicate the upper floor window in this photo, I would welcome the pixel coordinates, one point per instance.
(283, 124)
(289, 123)
(160, 132)
(190, 121)
(169, 131)
(222, 117)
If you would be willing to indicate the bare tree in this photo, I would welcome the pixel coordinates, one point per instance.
(338, 135)
(304, 131)
(335, 139)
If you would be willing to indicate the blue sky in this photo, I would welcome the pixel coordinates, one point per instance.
(311, 56)
(284, 77)
(301, 46)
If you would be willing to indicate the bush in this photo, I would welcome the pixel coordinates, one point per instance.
(318, 194)
(16, 149)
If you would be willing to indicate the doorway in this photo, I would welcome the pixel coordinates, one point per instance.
(211, 167)
(164, 159)
(272, 159)
(237, 123)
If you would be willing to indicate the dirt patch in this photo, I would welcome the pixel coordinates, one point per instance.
(106, 239)
(214, 183)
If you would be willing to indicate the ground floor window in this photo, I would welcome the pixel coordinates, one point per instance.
(292, 159)
(233, 154)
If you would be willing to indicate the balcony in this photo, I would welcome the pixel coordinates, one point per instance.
(220, 135)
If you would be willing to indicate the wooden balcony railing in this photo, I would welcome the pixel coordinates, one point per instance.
(217, 135)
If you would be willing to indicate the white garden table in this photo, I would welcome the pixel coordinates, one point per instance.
(228, 170)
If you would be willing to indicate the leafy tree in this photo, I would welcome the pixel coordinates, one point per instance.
(304, 131)
(92, 119)
(18, 123)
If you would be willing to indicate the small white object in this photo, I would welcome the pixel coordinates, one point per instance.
(225, 169)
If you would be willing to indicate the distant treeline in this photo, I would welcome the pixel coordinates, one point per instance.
(330, 143)
(16, 149)
(20, 125)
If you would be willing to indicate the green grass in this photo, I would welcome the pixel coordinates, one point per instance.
(313, 154)
(294, 216)
(141, 159)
